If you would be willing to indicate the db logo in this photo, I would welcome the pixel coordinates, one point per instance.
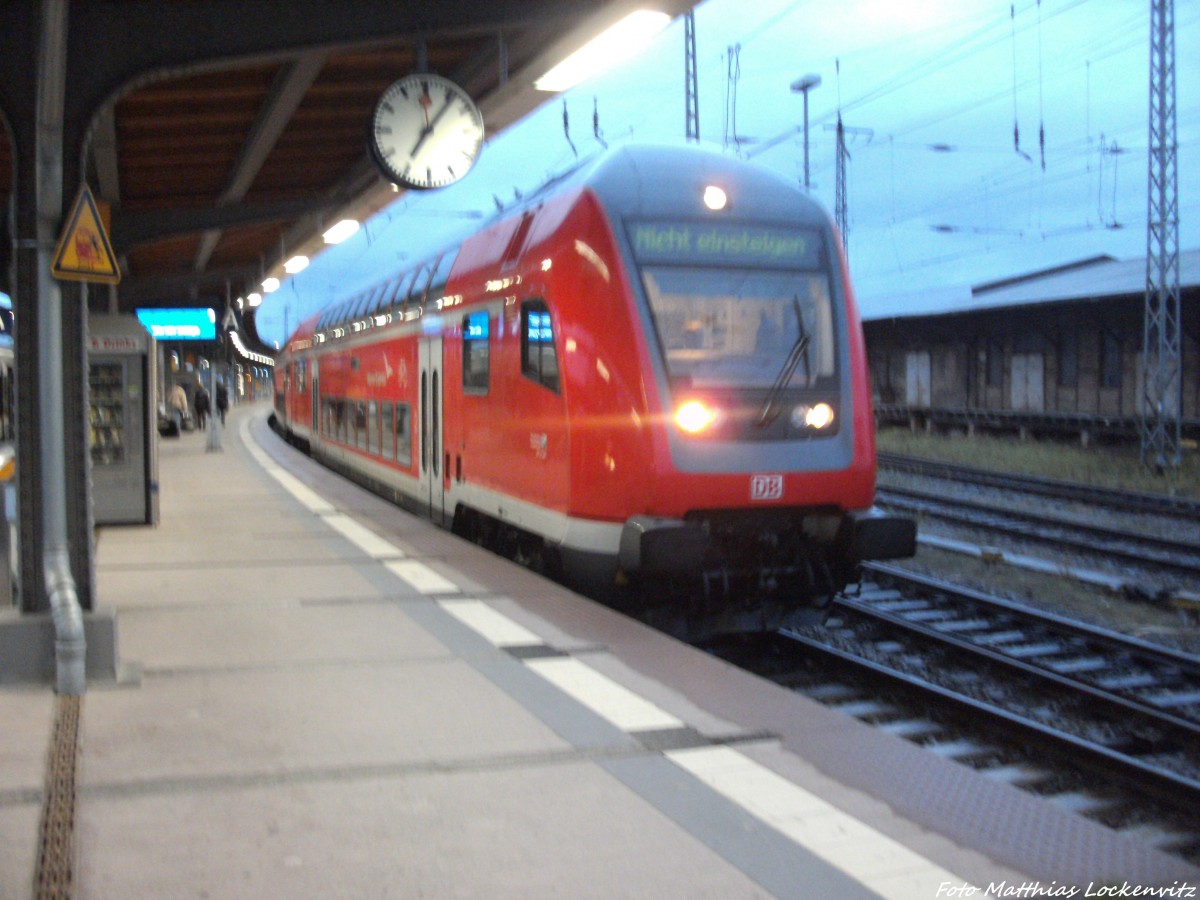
(766, 487)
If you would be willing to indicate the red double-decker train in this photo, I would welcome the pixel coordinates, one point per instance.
(649, 380)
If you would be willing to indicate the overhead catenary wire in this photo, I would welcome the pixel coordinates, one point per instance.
(1041, 83)
(970, 36)
(567, 129)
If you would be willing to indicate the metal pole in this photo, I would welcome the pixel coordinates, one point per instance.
(214, 425)
(806, 139)
(1161, 347)
(803, 86)
(70, 648)
(691, 112)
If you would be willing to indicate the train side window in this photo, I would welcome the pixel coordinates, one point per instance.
(360, 424)
(403, 288)
(538, 358)
(476, 352)
(437, 284)
(404, 434)
(373, 427)
(420, 288)
(343, 421)
(387, 430)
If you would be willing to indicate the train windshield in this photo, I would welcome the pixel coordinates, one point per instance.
(737, 327)
(734, 302)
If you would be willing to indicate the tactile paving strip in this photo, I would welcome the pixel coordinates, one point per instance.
(54, 875)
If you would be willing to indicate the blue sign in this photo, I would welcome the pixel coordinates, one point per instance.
(193, 324)
(477, 327)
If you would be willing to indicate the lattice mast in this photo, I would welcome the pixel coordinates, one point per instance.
(1161, 357)
(839, 202)
(691, 107)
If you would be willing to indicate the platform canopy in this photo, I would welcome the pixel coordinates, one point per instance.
(225, 137)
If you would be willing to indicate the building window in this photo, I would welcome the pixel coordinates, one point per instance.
(538, 358)
(1068, 361)
(1110, 359)
(995, 364)
(476, 352)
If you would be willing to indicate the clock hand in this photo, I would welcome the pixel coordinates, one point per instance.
(428, 129)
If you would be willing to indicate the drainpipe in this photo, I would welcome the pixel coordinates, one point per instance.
(69, 643)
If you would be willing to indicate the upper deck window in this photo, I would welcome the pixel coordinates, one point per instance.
(476, 352)
(539, 360)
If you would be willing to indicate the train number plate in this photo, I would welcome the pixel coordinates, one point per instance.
(766, 487)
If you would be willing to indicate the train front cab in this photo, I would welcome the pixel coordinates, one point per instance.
(759, 495)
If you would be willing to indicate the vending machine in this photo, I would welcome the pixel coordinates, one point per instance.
(122, 421)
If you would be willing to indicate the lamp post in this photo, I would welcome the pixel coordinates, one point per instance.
(803, 86)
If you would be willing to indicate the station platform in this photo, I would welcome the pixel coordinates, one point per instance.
(323, 696)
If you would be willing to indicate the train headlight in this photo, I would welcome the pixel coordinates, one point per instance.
(694, 417)
(715, 198)
(813, 417)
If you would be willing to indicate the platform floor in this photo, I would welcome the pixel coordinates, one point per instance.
(322, 696)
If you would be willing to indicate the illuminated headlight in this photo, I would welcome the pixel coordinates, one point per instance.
(715, 198)
(814, 417)
(695, 417)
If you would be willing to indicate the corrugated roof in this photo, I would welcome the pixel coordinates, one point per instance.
(1090, 280)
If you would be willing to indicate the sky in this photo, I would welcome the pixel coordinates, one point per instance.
(939, 195)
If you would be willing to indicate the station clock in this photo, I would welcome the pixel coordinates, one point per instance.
(426, 132)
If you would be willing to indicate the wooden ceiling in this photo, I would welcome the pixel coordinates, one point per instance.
(216, 167)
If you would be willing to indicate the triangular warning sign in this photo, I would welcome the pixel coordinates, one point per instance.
(83, 252)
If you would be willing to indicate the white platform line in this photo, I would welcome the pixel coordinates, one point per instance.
(422, 578)
(308, 498)
(362, 537)
(602, 695)
(874, 859)
(497, 628)
(878, 862)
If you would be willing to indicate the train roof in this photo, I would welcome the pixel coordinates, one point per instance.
(641, 179)
(637, 180)
(1091, 279)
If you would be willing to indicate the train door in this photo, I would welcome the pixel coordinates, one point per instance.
(432, 484)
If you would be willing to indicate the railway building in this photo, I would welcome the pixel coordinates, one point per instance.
(1056, 352)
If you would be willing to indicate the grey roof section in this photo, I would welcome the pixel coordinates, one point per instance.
(1092, 280)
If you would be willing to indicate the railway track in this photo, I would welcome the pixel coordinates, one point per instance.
(984, 680)
(1125, 501)
(1147, 552)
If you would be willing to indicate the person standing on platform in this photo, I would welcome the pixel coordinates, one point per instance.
(202, 404)
(178, 402)
(222, 400)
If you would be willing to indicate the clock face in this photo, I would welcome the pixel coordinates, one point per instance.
(426, 132)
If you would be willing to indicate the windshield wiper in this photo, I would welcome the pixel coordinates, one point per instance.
(769, 413)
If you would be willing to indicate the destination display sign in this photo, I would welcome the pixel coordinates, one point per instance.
(187, 324)
(724, 244)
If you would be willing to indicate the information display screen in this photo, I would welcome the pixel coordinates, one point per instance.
(195, 324)
(704, 243)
